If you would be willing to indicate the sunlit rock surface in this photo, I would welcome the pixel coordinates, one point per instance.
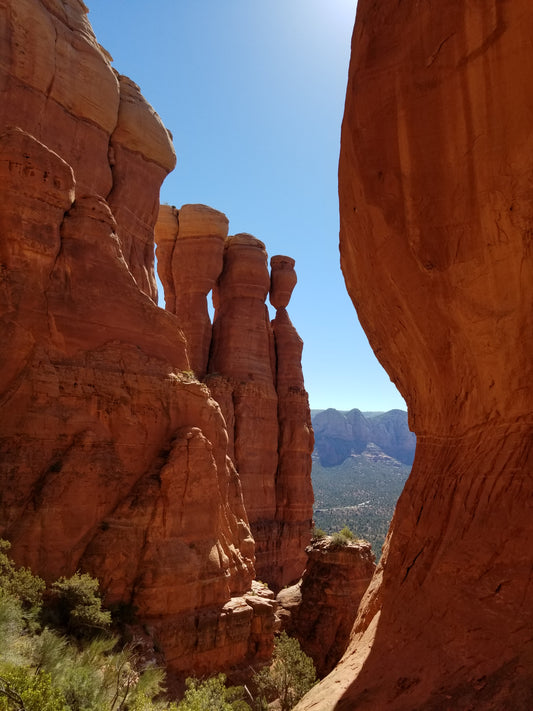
(254, 372)
(436, 214)
(114, 459)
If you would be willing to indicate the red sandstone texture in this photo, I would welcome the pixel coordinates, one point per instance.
(436, 215)
(190, 249)
(255, 375)
(320, 609)
(113, 458)
(294, 495)
(254, 372)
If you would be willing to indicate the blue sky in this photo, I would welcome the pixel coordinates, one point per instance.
(253, 93)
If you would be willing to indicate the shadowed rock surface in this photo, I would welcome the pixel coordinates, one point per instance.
(320, 609)
(436, 215)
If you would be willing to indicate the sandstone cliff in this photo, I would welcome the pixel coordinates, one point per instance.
(436, 215)
(319, 611)
(113, 458)
(253, 371)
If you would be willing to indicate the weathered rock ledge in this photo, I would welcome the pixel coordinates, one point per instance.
(320, 610)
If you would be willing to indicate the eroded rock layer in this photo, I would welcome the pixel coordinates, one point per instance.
(254, 372)
(113, 458)
(190, 249)
(436, 215)
(319, 611)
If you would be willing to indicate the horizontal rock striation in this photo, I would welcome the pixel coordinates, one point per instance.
(320, 610)
(114, 459)
(436, 216)
(253, 371)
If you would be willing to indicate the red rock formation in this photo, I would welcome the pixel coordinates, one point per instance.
(112, 458)
(294, 494)
(190, 255)
(255, 374)
(242, 367)
(320, 610)
(436, 217)
(140, 155)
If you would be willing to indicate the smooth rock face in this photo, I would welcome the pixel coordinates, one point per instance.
(320, 610)
(113, 458)
(436, 214)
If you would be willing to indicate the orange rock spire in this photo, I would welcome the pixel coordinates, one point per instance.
(190, 254)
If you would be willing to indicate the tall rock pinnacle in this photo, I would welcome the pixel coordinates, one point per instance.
(190, 253)
(254, 372)
(294, 498)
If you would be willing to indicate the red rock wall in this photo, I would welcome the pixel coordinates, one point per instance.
(254, 372)
(320, 610)
(113, 458)
(436, 215)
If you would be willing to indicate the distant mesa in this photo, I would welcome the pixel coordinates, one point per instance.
(338, 435)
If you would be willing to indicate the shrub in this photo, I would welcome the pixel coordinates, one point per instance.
(24, 690)
(212, 694)
(19, 582)
(318, 534)
(342, 537)
(77, 606)
(290, 676)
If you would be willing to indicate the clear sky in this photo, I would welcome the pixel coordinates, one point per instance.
(253, 93)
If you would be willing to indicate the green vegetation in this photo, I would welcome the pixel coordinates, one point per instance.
(290, 676)
(342, 537)
(213, 694)
(57, 653)
(318, 534)
(360, 493)
(77, 606)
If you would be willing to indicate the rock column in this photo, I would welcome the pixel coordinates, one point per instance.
(190, 254)
(294, 492)
(242, 380)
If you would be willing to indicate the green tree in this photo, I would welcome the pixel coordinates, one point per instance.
(23, 690)
(291, 675)
(212, 694)
(77, 606)
(19, 582)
